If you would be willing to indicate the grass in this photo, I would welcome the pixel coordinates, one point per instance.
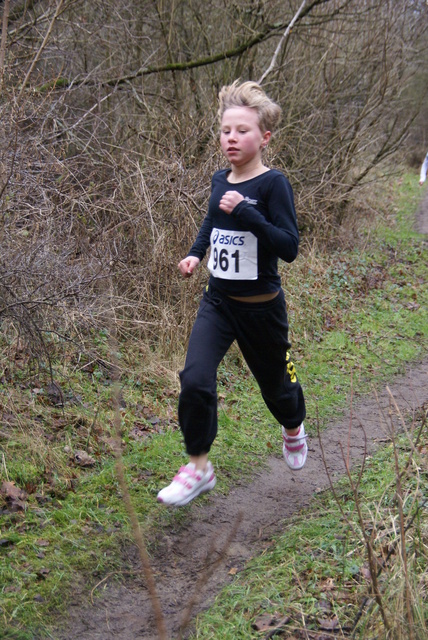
(354, 314)
(315, 576)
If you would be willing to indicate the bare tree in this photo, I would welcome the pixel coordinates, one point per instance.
(109, 137)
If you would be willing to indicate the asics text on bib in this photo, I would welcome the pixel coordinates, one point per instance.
(233, 255)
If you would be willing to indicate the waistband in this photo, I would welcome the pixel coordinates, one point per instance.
(214, 295)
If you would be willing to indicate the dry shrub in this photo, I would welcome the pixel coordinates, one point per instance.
(108, 144)
(80, 239)
(392, 530)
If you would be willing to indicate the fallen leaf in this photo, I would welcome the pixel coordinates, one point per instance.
(264, 622)
(43, 573)
(328, 585)
(140, 430)
(42, 543)
(14, 496)
(324, 605)
(365, 572)
(110, 443)
(54, 394)
(83, 459)
(328, 624)
(6, 542)
(10, 491)
(233, 571)
(268, 622)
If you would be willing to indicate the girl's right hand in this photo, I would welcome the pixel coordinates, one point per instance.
(188, 265)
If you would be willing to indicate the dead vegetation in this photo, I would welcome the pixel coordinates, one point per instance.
(108, 143)
(391, 533)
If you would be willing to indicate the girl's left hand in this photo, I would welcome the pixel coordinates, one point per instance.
(230, 200)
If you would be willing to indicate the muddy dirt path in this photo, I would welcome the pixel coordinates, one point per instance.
(274, 494)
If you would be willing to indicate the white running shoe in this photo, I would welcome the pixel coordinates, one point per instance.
(295, 448)
(188, 484)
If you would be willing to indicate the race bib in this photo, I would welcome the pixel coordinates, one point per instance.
(233, 255)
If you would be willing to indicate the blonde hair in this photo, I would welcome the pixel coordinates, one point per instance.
(250, 94)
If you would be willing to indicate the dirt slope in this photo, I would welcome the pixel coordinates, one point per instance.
(124, 612)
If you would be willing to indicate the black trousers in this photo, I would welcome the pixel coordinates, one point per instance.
(261, 331)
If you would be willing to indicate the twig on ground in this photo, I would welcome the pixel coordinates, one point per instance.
(3, 460)
(107, 577)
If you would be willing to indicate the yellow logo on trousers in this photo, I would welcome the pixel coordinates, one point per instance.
(291, 370)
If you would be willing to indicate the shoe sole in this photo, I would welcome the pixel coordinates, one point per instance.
(181, 503)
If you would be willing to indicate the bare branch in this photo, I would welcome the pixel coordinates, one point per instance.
(41, 48)
(281, 42)
(262, 35)
(3, 40)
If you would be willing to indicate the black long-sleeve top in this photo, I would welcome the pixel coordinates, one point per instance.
(246, 244)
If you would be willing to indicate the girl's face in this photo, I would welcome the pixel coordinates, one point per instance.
(241, 139)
